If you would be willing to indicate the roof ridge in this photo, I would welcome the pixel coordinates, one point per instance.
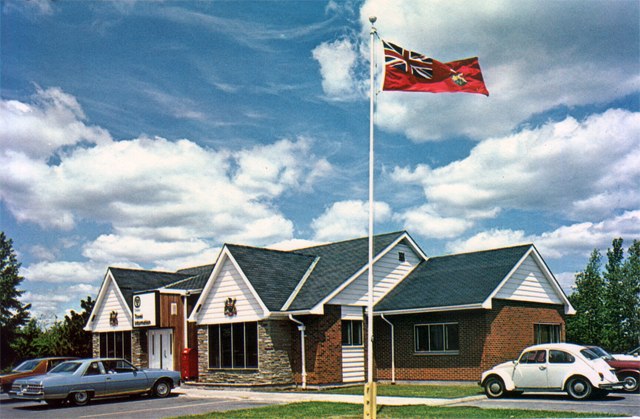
(472, 252)
(145, 270)
(399, 232)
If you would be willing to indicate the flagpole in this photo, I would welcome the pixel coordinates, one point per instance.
(370, 388)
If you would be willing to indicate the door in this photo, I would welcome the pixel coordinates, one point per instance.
(161, 349)
(531, 371)
(122, 377)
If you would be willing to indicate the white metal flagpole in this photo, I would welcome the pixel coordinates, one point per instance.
(370, 388)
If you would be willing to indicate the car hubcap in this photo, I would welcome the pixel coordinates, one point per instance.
(162, 389)
(579, 387)
(630, 383)
(495, 388)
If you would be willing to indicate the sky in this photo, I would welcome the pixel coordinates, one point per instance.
(146, 134)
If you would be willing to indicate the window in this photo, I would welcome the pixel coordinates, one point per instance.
(560, 357)
(534, 357)
(352, 332)
(401, 257)
(115, 345)
(437, 338)
(547, 333)
(233, 345)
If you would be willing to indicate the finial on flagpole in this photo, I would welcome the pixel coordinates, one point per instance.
(372, 19)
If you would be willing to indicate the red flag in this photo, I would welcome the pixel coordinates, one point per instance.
(414, 72)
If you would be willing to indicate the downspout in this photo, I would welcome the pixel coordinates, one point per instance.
(393, 352)
(301, 328)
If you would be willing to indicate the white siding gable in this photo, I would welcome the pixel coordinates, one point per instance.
(229, 283)
(529, 283)
(388, 271)
(112, 301)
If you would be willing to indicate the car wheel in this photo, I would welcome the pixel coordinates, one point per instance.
(494, 387)
(579, 388)
(80, 398)
(630, 382)
(162, 389)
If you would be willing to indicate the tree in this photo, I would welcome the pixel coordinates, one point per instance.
(13, 314)
(607, 300)
(77, 340)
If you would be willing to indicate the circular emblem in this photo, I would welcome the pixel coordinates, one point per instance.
(136, 301)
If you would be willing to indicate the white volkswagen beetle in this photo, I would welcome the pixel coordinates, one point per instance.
(552, 367)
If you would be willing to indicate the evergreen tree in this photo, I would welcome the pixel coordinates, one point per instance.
(614, 312)
(77, 340)
(585, 327)
(13, 314)
(630, 298)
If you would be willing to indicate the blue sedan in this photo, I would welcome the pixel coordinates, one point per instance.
(81, 380)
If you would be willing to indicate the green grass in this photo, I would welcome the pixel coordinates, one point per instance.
(343, 410)
(412, 390)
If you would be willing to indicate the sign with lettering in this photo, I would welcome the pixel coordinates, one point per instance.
(145, 309)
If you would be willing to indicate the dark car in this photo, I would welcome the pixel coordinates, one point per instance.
(84, 379)
(30, 368)
(627, 370)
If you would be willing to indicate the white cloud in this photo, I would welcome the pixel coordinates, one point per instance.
(63, 272)
(150, 188)
(427, 223)
(533, 59)
(573, 240)
(348, 219)
(338, 62)
(578, 169)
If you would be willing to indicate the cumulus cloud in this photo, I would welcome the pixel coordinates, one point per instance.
(338, 61)
(150, 190)
(63, 272)
(533, 59)
(347, 219)
(575, 239)
(577, 169)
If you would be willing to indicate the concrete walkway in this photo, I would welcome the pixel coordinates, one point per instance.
(291, 397)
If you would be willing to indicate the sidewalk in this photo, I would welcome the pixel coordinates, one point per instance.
(291, 397)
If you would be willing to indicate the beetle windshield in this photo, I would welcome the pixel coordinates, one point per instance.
(601, 353)
(26, 366)
(66, 367)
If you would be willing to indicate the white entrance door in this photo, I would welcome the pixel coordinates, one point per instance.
(161, 348)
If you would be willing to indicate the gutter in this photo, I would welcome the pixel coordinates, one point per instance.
(393, 352)
(301, 328)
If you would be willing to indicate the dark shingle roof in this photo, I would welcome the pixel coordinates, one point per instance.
(273, 274)
(338, 262)
(467, 278)
(133, 280)
(197, 279)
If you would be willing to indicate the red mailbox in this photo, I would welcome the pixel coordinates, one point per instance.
(189, 364)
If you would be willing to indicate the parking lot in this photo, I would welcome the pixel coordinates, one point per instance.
(191, 401)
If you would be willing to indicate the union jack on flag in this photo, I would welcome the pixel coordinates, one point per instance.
(407, 61)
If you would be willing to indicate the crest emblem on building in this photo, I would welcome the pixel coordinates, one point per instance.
(230, 307)
(113, 318)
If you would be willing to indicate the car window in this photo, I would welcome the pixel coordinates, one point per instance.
(589, 354)
(560, 357)
(95, 368)
(601, 353)
(118, 366)
(534, 357)
(53, 363)
(27, 366)
(66, 367)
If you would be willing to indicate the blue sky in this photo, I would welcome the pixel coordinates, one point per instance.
(149, 133)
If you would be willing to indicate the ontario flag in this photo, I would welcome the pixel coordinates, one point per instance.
(411, 71)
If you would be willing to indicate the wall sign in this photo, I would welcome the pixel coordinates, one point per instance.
(145, 309)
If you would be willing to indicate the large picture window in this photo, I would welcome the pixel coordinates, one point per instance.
(351, 332)
(233, 345)
(115, 345)
(437, 338)
(547, 333)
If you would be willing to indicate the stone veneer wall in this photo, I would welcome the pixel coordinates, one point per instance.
(274, 365)
(95, 342)
(139, 348)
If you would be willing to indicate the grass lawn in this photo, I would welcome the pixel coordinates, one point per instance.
(412, 390)
(343, 410)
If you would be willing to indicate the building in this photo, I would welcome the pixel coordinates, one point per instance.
(267, 317)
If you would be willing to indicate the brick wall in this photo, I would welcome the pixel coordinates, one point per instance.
(487, 337)
(323, 348)
(274, 366)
